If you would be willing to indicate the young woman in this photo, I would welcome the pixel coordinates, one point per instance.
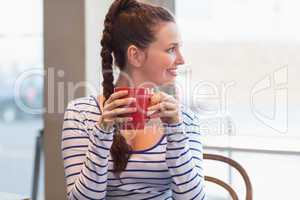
(163, 161)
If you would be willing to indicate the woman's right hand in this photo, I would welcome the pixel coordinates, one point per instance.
(112, 109)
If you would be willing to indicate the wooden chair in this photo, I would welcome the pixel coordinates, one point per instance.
(235, 165)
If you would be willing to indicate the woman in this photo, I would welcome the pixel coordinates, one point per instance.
(163, 161)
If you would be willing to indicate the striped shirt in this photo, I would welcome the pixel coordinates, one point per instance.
(171, 169)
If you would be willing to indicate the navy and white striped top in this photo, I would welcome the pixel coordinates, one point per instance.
(171, 169)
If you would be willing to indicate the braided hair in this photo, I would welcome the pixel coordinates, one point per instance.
(128, 22)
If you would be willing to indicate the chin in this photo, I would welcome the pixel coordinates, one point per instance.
(169, 82)
(163, 82)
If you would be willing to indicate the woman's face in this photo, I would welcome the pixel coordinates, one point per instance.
(163, 56)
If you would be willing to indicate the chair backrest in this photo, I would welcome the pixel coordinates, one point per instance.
(238, 167)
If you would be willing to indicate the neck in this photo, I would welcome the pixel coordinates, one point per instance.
(133, 79)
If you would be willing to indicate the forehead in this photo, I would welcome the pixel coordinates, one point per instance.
(166, 34)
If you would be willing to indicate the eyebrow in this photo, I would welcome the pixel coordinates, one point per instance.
(175, 43)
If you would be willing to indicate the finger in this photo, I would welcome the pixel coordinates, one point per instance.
(155, 99)
(155, 107)
(120, 102)
(163, 106)
(164, 96)
(166, 109)
(167, 97)
(117, 95)
(170, 98)
(118, 120)
(119, 111)
(123, 119)
(163, 114)
(149, 113)
(169, 106)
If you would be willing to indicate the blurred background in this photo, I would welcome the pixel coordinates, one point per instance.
(241, 77)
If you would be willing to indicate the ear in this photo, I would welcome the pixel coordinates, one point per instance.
(135, 56)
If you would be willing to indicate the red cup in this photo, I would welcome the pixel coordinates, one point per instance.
(143, 99)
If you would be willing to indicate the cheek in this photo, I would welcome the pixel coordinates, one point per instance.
(156, 65)
(163, 60)
(169, 60)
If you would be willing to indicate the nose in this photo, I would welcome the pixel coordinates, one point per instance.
(179, 58)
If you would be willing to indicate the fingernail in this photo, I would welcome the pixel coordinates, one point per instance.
(150, 112)
(153, 116)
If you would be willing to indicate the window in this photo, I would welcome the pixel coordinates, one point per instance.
(20, 119)
(240, 77)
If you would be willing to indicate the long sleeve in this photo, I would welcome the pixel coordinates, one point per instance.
(85, 152)
(184, 158)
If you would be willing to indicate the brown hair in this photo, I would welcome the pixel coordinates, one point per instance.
(128, 22)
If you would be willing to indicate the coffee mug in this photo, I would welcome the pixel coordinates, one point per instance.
(143, 100)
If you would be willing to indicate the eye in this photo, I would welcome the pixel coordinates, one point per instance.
(171, 50)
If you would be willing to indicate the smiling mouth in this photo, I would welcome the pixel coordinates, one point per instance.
(173, 72)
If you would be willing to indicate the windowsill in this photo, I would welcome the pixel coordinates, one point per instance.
(254, 143)
(10, 196)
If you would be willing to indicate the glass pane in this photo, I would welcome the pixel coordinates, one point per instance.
(273, 176)
(243, 65)
(218, 170)
(21, 93)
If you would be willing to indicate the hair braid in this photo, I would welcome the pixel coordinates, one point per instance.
(127, 22)
(119, 149)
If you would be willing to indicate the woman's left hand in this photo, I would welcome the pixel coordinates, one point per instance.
(166, 107)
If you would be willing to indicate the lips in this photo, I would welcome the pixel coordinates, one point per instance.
(172, 71)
